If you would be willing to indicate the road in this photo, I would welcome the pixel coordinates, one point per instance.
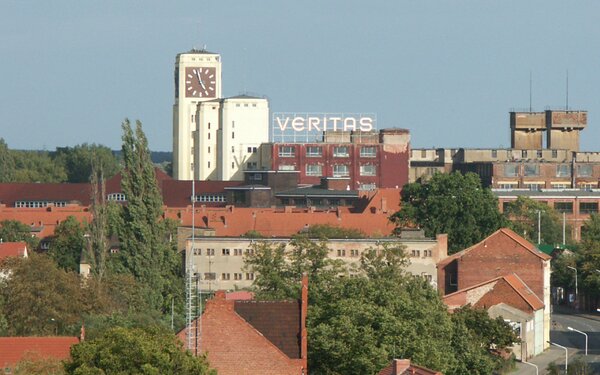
(573, 341)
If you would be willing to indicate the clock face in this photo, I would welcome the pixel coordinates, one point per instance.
(200, 82)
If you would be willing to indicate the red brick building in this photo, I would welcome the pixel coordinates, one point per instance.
(405, 367)
(502, 253)
(252, 337)
(15, 349)
(369, 160)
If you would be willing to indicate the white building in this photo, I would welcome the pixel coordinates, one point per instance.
(213, 137)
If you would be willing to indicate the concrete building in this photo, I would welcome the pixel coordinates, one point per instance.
(219, 261)
(370, 160)
(502, 253)
(214, 138)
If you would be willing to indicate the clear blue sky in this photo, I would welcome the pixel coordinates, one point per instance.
(448, 70)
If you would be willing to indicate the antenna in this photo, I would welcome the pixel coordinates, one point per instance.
(530, 92)
(567, 106)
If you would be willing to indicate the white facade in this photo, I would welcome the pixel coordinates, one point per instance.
(214, 138)
(219, 261)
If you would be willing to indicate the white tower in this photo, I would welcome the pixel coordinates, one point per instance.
(197, 79)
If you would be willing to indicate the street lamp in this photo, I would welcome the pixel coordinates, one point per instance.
(583, 333)
(576, 299)
(566, 355)
(531, 364)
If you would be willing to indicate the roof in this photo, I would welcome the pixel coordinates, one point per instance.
(502, 232)
(318, 192)
(461, 297)
(239, 295)
(13, 349)
(244, 96)
(197, 51)
(44, 219)
(404, 367)
(235, 346)
(178, 193)
(278, 321)
(52, 192)
(12, 249)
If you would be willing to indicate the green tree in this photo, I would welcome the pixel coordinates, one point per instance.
(68, 243)
(7, 163)
(455, 204)
(79, 161)
(38, 297)
(15, 231)
(590, 232)
(135, 351)
(146, 250)
(37, 166)
(34, 364)
(523, 216)
(327, 231)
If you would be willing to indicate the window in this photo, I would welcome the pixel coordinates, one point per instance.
(210, 252)
(197, 251)
(560, 186)
(314, 170)
(507, 185)
(226, 252)
(511, 170)
(494, 153)
(285, 167)
(523, 153)
(554, 153)
(232, 165)
(208, 134)
(566, 207)
(531, 170)
(587, 186)
(367, 170)
(225, 276)
(354, 252)
(232, 135)
(211, 198)
(249, 276)
(539, 153)
(367, 187)
(423, 153)
(453, 281)
(233, 149)
(251, 165)
(563, 170)
(314, 151)
(209, 164)
(427, 277)
(340, 170)
(208, 150)
(209, 125)
(249, 252)
(255, 177)
(341, 253)
(286, 151)
(588, 207)
(428, 253)
(368, 152)
(254, 150)
(117, 197)
(584, 170)
(340, 152)
(237, 252)
(415, 253)
(210, 276)
(237, 276)
(534, 187)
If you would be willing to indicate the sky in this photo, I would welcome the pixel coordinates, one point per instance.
(448, 70)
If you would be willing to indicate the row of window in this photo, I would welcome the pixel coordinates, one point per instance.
(317, 151)
(39, 204)
(537, 186)
(203, 198)
(562, 170)
(417, 253)
(567, 207)
(339, 170)
(224, 251)
(227, 276)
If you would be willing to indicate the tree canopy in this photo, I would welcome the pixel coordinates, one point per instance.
(15, 231)
(135, 351)
(454, 204)
(523, 219)
(361, 317)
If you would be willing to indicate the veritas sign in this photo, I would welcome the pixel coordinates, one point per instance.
(312, 125)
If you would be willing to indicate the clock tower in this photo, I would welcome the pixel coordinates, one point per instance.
(197, 80)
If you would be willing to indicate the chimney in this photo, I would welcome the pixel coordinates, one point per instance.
(303, 314)
(384, 205)
(399, 366)
(220, 294)
(82, 333)
(442, 245)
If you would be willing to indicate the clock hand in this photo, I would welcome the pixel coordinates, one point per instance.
(200, 80)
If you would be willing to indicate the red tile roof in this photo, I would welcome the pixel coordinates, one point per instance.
(12, 349)
(404, 367)
(44, 219)
(234, 346)
(12, 249)
(460, 297)
(503, 232)
(240, 295)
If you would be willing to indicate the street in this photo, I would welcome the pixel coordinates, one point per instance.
(563, 318)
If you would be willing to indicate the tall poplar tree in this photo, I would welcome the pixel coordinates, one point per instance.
(146, 251)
